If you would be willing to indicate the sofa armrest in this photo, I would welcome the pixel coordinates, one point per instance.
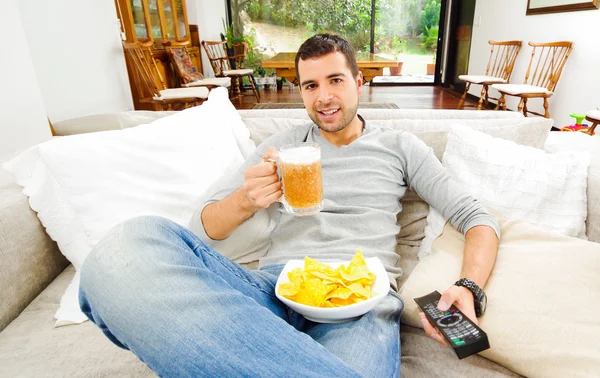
(30, 259)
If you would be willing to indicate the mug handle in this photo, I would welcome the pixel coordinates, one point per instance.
(274, 161)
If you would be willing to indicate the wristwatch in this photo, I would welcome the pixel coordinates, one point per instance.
(478, 295)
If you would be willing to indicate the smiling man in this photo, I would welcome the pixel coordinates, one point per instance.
(170, 297)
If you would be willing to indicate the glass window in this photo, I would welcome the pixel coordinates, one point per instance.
(154, 19)
(405, 30)
(170, 22)
(139, 21)
(181, 29)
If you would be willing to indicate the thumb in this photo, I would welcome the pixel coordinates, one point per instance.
(446, 300)
(270, 153)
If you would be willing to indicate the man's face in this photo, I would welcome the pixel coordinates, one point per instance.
(329, 91)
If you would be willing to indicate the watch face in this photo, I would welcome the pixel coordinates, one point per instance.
(483, 303)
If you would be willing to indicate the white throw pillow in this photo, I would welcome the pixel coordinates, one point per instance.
(521, 182)
(541, 317)
(81, 186)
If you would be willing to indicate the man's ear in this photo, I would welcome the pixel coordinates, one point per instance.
(359, 82)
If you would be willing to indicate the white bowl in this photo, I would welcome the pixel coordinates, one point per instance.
(381, 287)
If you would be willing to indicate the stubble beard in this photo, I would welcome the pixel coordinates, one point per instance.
(348, 116)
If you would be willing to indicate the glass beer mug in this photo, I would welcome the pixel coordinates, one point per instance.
(300, 169)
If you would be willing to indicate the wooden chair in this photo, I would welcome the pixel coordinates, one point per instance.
(499, 68)
(188, 74)
(221, 64)
(150, 83)
(547, 62)
(594, 117)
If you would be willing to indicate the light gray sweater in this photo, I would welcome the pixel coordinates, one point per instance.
(363, 183)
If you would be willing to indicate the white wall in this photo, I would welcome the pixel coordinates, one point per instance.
(208, 15)
(77, 56)
(578, 87)
(23, 120)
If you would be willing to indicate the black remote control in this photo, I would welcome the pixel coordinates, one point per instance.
(464, 336)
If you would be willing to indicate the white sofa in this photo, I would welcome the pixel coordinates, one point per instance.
(34, 274)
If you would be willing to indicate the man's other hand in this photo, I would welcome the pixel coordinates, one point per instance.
(262, 186)
(462, 298)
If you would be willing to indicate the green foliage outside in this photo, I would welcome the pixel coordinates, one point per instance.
(402, 26)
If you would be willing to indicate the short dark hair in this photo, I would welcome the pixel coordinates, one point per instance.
(323, 44)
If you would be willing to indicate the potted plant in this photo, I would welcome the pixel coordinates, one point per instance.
(399, 47)
(280, 82)
(234, 47)
(431, 67)
(430, 41)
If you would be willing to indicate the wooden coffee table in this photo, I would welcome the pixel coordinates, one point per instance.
(369, 64)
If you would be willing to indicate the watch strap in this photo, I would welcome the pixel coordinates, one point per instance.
(477, 293)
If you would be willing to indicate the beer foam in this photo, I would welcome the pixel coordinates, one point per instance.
(300, 155)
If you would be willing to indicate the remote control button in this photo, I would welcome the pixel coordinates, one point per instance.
(449, 321)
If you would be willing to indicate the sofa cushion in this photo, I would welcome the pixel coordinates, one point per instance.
(563, 142)
(424, 357)
(30, 260)
(83, 185)
(520, 182)
(30, 347)
(542, 299)
(104, 122)
(433, 131)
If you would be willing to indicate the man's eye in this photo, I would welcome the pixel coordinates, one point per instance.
(337, 80)
(309, 86)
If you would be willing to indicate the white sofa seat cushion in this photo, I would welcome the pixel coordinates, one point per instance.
(518, 89)
(176, 93)
(218, 81)
(481, 79)
(243, 71)
(594, 114)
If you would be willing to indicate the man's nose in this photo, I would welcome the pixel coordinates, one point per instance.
(325, 94)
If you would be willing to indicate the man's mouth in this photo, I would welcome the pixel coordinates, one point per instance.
(329, 112)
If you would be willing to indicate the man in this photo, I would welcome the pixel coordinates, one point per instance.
(158, 290)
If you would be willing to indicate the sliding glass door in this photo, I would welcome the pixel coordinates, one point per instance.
(399, 30)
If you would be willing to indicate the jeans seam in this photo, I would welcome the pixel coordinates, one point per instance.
(218, 257)
(395, 294)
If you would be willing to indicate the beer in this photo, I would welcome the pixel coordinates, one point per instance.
(302, 184)
(300, 167)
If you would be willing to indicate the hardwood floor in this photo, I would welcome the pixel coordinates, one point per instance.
(406, 97)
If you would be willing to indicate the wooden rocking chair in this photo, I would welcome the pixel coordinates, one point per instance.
(150, 83)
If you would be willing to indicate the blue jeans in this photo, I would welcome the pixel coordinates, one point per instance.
(155, 288)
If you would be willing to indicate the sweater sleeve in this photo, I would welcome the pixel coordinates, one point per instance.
(251, 239)
(425, 174)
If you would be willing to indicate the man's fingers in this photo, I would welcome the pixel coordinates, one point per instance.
(431, 331)
(265, 196)
(274, 196)
(260, 182)
(260, 170)
(437, 337)
(447, 299)
(270, 153)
